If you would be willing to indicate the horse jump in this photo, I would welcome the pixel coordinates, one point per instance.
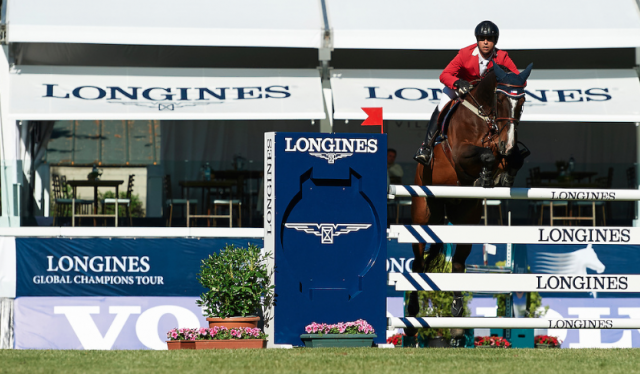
(477, 282)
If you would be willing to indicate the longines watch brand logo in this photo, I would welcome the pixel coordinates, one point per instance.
(327, 231)
(165, 98)
(582, 282)
(331, 149)
(579, 235)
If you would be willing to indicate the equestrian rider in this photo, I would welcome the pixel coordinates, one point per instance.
(466, 68)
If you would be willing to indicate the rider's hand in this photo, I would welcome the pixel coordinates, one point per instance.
(462, 87)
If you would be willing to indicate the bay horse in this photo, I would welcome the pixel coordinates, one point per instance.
(480, 149)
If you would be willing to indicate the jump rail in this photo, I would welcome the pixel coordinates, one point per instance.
(480, 282)
(515, 193)
(467, 234)
(513, 323)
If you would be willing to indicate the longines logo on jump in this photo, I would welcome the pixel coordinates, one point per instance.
(582, 282)
(331, 149)
(327, 230)
(579, 235)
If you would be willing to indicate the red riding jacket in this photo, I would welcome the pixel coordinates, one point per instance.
(466, 66)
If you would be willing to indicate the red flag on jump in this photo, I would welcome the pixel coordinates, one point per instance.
(374, 119)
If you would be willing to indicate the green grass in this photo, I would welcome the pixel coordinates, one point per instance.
(348, 361)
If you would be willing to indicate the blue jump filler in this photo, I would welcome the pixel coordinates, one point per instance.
(325, 220)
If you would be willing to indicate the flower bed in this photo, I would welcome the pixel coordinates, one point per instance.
(358, 327)
(395, 339)
(491, 342)
(216, 338)
(343, 334)
(215, 333)
(546, 341)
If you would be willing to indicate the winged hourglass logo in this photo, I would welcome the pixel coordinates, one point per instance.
(330, 156)
(327, 230)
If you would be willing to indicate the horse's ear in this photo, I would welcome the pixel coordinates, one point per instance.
(500, 74)
(524, 75)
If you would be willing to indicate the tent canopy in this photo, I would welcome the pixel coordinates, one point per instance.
(552, 95)
(543, 24)
(240, 23)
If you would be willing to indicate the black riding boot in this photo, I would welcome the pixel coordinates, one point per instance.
(425, 152)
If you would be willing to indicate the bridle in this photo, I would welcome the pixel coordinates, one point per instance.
(492, 118)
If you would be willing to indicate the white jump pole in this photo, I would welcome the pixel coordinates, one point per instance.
(513, 323)
(482, 282)
(467, 234)
(515, 193)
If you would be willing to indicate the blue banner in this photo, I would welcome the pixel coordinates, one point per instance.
(114, 267)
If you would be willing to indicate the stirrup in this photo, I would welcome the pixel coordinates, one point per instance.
(423, 155)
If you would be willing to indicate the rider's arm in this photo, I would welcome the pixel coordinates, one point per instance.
(449, 75)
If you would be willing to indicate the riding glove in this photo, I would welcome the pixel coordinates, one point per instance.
(462, 87)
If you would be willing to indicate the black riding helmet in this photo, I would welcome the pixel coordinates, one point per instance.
(487, 28)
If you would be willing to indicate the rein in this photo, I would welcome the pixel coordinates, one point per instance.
(490, 119)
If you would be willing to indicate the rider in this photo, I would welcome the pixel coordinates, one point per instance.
(468, 66)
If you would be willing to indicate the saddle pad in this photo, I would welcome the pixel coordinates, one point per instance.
(448, 110)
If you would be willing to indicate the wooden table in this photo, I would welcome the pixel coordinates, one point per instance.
(95, 184)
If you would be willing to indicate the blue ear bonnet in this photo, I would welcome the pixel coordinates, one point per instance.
(507, 81)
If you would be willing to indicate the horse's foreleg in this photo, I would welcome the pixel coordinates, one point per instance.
(513, 163)
(473, 160)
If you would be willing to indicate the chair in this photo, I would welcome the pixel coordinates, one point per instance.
(170, 202)
(63, 203)
(492, 203)
(126, 201)
(603, 182)
(217, 201)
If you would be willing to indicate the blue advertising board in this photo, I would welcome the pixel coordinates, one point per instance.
(325, 220)
(114, 267)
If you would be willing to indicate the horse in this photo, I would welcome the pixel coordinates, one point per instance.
(480, 149)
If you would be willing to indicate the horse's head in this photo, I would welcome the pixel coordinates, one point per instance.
(509, 103)
(591, 260)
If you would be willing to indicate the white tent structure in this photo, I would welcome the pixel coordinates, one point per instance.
(45, 92)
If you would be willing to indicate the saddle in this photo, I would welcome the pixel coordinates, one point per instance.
(444, 118)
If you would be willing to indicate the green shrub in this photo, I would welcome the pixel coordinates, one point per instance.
(236, 280)
(438, 303)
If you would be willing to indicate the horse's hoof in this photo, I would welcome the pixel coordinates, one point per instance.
(457, 307)
(414, 306)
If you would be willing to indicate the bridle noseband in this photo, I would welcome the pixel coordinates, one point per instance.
(492, 118)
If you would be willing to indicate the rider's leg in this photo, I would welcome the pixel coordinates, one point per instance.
(425, 152)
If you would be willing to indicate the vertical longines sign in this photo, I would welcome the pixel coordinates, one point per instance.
(325, 221)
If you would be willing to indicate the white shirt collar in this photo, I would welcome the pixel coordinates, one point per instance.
(476, 52)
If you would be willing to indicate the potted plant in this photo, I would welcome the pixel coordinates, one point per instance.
(396, 340)
(343, 334)
(491, 342)
(546, 341)
(238, 284)
(216, 338)
(438, 304)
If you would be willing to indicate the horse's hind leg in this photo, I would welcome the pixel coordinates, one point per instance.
(468, 212)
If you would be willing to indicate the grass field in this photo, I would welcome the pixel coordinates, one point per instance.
(353, 360)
